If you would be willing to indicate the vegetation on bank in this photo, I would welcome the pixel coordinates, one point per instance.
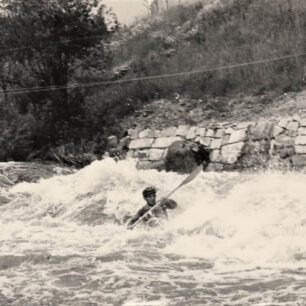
(46, 47)
(242, 31)
(70, 122)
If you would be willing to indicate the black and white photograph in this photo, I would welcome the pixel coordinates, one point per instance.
(153, 153)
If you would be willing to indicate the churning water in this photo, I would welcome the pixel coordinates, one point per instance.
(236, 239)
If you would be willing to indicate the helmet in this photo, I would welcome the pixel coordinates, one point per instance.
(148, 191)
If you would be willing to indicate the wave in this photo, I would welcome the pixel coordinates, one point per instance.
(242, 218)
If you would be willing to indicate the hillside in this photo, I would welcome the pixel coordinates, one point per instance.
(205, 36)
(165, 112)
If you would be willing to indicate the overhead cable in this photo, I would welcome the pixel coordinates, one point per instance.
(71, 86)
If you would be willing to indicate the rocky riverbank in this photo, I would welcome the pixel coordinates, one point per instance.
(231, 145)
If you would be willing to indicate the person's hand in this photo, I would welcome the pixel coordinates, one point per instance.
(168, 203)
(129, 222)
(164, 202)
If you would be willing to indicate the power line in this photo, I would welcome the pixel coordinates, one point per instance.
(51, 88)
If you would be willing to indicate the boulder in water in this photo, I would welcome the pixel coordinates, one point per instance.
(183, 156)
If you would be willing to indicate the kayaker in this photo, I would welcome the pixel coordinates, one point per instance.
(159, 212)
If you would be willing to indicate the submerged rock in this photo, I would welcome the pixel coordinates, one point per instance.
(15, 172)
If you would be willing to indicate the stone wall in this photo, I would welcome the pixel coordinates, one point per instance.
(232, 145)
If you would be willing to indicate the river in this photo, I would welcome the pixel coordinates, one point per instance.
(235, 239)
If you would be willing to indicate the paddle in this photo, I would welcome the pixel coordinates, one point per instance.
(188, 179)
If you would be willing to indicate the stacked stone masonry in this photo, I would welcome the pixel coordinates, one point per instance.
(231, 145)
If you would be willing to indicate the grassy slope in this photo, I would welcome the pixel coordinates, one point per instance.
(192, 38)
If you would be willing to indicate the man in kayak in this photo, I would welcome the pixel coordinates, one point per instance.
(160, 211)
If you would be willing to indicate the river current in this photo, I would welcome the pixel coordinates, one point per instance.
(235, 239)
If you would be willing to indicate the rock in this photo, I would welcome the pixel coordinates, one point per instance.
(300, 140)
(237, 136)
(302, 131)
(183, 156)
(164, 142)
(134, 133)
(243, 125)
(303, 122)
(231, 152)
(299, 160)
(286, 152)
(156, 133)
(143, 154)
(284, 122)
(131, 154)
(156, 154)
(300, 149)
(205, 141)
(291, 133)
(277, 130)
(263, 130)
(112, 141)
(146, 134)
(210, 133)
(225, 139)
(256, 154)
(229, 130)
(192, 133)
(168, 132)
(141, 143)
(215, 156)
(284, 140)
(182, 130)
(219, 133)
(292, 126)
(215, 143)
(201, 132)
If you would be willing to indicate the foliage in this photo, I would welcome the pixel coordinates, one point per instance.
(239, 31)
(50, 44)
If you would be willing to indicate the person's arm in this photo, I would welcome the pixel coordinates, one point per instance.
(139, 214)
(132, 220)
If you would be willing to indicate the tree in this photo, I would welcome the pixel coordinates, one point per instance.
(50, 40)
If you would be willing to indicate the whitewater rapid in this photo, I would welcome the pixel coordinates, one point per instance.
(235, 239)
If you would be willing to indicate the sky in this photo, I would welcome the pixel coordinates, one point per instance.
(127, 10)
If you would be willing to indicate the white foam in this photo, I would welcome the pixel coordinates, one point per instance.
(252, 219)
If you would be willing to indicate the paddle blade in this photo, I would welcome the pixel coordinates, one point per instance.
(188, 179)
(192, 175)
